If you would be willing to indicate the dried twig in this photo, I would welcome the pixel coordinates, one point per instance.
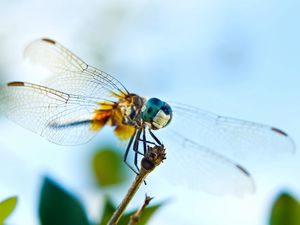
(153, 158)
(134, 219)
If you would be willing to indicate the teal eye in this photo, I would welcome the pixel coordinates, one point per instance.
(156, 113)
(151, 108)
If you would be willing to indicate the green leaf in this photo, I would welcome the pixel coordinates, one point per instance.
(58, 207)
(147, 214)
(109, 168)
(285, 211)
(109, 209)
(6, 208)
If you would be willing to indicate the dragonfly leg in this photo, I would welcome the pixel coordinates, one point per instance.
(127, 151)
(136, 148)
(145, 141)
(155, 138)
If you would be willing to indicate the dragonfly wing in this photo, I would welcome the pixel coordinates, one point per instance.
(71, 74)
(199, 167)
(61, 118)
(230, 136)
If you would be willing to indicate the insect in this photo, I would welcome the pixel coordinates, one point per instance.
(79, 100)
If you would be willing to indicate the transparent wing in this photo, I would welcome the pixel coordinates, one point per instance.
(60, 117)
(199, 167)
(230, 136)
(198, 144)
(70, 73)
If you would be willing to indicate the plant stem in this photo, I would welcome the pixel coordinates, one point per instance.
(134, 219)
(153, 157)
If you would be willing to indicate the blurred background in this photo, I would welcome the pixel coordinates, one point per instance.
(233, 57)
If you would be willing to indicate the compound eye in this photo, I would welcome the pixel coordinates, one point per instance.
(150, 110)
(155, 101)
(156, 113)
(166, 109)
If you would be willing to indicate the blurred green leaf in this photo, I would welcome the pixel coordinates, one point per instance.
(285, 211)
(145, 217)
(58, 207)
(108, 168)
(6, 208)
(109, 209)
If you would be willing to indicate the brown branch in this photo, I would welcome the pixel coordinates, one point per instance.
(153, 158)
(134, 219)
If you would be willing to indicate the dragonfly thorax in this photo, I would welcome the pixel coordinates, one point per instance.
(156, 113)
(130, 108)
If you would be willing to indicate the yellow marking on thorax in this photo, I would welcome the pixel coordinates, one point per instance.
(112, 114)
(124, 132)
(101, 117)
(119, 96)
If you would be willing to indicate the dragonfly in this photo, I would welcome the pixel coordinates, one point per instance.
(78, 100)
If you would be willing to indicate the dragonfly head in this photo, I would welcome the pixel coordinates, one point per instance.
(156, 113)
